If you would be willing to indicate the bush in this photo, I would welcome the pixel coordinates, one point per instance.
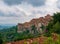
(56, 28)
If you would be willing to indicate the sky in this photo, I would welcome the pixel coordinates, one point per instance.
(20, 11)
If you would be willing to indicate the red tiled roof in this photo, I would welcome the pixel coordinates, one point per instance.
(43, 20)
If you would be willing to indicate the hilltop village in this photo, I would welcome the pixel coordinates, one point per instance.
(43, 30)
(37, 22)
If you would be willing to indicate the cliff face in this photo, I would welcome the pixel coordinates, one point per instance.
(37, 22)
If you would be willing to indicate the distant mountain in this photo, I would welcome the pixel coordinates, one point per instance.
(6, 26)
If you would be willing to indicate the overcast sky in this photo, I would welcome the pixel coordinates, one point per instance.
(20, 11)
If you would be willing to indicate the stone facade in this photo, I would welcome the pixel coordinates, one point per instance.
(37, 22)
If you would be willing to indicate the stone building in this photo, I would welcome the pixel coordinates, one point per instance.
(38, 22)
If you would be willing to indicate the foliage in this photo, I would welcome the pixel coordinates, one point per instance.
(56, 28)
(54, 25)
(56, 17)
(48, 30)
(1, 41)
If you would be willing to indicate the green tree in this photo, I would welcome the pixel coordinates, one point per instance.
(53, 25)
(56, 23)
(56, 28)
(56, 17)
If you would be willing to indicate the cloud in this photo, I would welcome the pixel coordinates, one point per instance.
(32, 2)
(20, 11)
(10, 10)
(13, 2)
(36, 3)
(58, 4)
